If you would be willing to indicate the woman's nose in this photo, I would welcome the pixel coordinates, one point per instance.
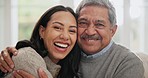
(64, 35)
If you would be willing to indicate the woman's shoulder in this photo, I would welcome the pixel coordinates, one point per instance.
(29, 60)
(26, 50)
(28, 54)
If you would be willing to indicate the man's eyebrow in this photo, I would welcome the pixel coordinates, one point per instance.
(101, 21)
(82, 19)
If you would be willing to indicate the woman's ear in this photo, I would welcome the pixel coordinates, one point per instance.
(41, 31)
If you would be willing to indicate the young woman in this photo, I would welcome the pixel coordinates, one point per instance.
(54, 39)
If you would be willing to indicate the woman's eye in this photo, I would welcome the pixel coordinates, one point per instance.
(72, 31)
(57, 28)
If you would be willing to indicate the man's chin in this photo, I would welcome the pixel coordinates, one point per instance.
(89, 51)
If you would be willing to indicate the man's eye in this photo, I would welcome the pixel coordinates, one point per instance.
(82, 24)
(99, 25)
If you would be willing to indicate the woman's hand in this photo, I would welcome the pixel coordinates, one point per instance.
(6, 63)
(23, 74)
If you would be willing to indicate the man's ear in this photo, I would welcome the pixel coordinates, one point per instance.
(113, 30)
(41, 31)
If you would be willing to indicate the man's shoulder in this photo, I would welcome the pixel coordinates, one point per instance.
(120, 47)
(124, 52)
(127, 60)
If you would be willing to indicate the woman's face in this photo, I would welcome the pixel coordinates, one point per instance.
(60, 35)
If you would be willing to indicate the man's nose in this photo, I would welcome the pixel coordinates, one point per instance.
(90, 30)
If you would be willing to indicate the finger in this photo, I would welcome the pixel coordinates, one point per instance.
(7, 58)
(12, 76)
(41, 73)
(16, 75)
(12, 50)
(2, 69)
(25, 74)
(4, 64)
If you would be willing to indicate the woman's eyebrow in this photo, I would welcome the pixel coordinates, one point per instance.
(63, 24)
(73, 26)
(58, 23)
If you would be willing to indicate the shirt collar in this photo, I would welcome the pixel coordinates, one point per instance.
(98, 53)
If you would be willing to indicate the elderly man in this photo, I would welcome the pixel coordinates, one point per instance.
(101, 57)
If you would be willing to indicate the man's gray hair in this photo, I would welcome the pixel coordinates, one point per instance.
(100, 3)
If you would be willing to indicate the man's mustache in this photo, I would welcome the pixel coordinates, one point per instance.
(91, 37)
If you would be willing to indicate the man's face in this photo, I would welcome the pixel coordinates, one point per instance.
(94, 29)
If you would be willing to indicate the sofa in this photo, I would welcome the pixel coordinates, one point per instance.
(144, 59)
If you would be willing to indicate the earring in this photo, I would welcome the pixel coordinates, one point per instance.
(40, 38)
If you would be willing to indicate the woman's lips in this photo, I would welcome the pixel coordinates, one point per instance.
(61, 47)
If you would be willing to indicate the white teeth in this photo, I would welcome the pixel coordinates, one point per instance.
(91, 40)
(61, 45)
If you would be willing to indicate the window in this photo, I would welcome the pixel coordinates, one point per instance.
(29, 11)
(18, 17)
(131, 17)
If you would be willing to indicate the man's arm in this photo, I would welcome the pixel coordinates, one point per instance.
(131, 67)
(23, 74)
(6, 63)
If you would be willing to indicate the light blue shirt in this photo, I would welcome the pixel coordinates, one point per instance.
(98, 53)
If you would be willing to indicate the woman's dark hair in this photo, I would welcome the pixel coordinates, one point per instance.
(69, 65)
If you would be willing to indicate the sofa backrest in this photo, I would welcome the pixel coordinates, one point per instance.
(144, 59)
